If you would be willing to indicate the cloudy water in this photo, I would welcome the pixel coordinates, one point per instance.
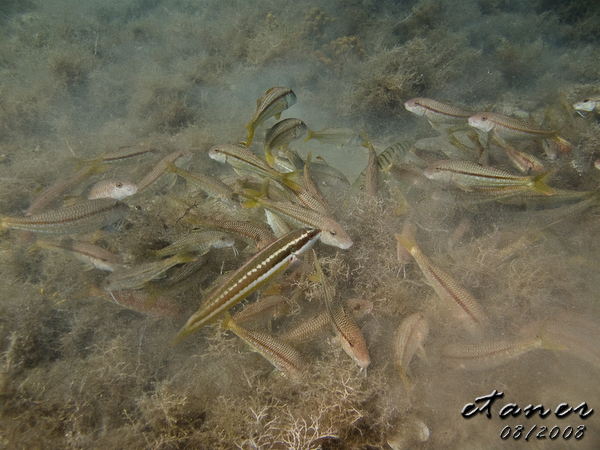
(447, 291)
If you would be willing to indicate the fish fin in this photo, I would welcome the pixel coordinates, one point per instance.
(404, 377)
(539, 183)
(564, 146)
(173, 168)
(277, 116)
(421, 353)
(406, 242)
(269, 156)
(226, 320)
(548, 344)
(34, 247)
(289, 178)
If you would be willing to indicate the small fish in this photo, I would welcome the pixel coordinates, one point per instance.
(343, 323)
(89, 253)
(278, 352)
(242, 159)
(258, 235)
(488, 354)
(156, 304)
(136, 277)
(118, 189)
(212, 186)
(273, 103)
(335, 136)
(53, 193)
(462, 303)
(271, 306)
(82, 217)
(122, 154)
(197, 242)
(281, 134)
(312, 327)
(332, 232)
(525, 162)
(509, 128)
(470, 176)
(409, 337)
(437, 112)
(257, 271)
(180, 158)
(588, 104)
(371, 169)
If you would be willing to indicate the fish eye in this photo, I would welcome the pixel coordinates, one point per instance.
(483, 118)
(119, 185)
(333, 233)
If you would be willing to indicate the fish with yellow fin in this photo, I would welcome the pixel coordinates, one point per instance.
(273, 103)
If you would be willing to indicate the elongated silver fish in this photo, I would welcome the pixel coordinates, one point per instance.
(179, 158)
(136, 277)
(437, 112)
(82, 217)
(277, 351)
(198, 242)
(98, 257)
(409, 337)
(273, 103)
(257, 271)
(470, 176)
(281, 134)
(465, 307)
(509, 128)
(210, 185)
(343, 323)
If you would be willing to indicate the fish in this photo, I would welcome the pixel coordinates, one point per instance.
(118, 189)
(312, 327)
(470, 176)
(256, 234)
(488, 354)
(463, 305)
(277, 351)
(281, 134)
(82, 217)
(409, 337)
(180, 158)
(335, 136)
(254, 273)
(153, 303)
(343, 323)
(371, 169)
(197, 242)
(273, 103)
(96, 256)
(212, 186)
(136, 277)
(525, 162)
(52, 193)
(437, 112)
(121, 154)
(509, 128)
(271, 306)
(242, 159)
(332, 232)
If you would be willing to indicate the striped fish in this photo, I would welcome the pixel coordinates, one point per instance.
(256, 272)
(464, 306)
(273, 103)
(82, 217)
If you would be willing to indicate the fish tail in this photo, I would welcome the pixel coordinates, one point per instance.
(547, 342)
(310, 134)
(539, 183)
(407, 242)
(289, 179)
(250, 130)
(183, 333)
(269, 156)
(226, 321)
(564, 146)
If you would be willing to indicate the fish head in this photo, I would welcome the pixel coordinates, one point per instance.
(415, 107)
(333, 234)
(482, 121)
(357, 350)
(183, 159)
(216, 154)
(588, 104)
(437, 172)
(224, 241)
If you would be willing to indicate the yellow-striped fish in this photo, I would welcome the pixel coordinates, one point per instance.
(273, 103)
(509, 128)
(461, 302)
(409, 337)
(256, 272)
(281, 134)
